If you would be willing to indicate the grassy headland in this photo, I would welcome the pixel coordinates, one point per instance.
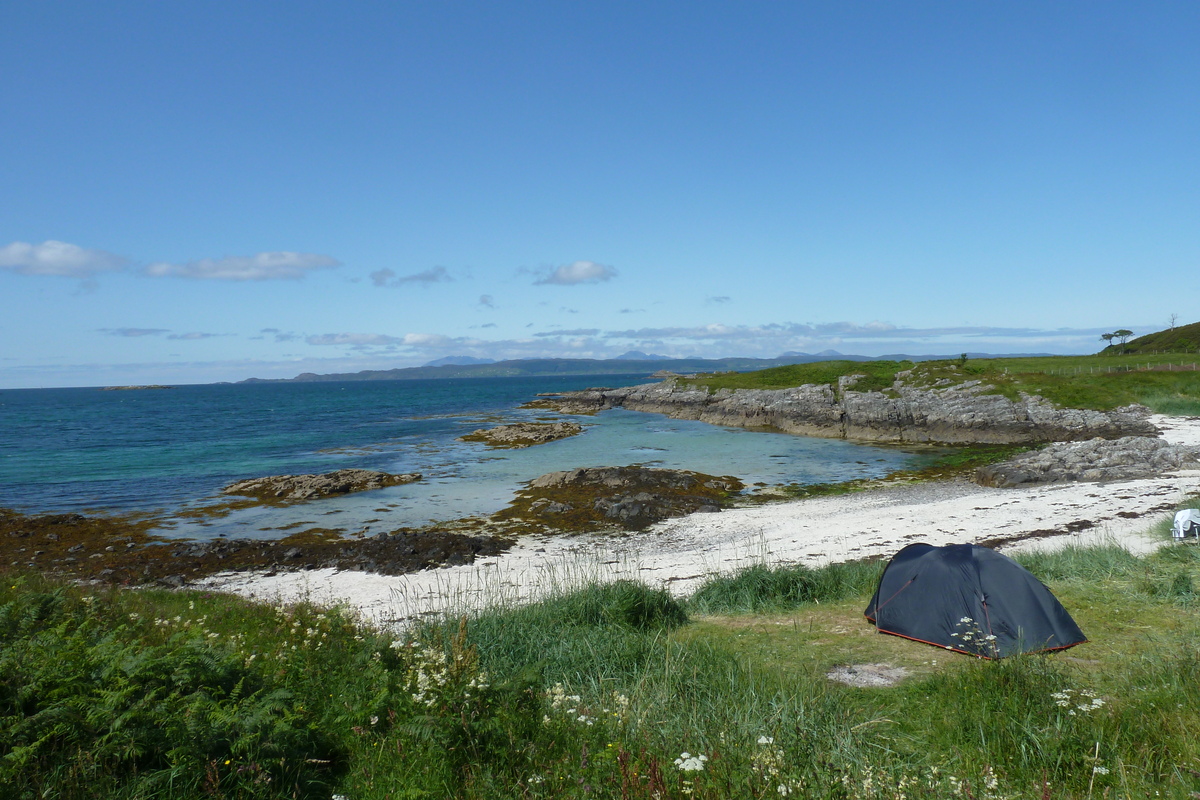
(1099, 382)
(602, 691)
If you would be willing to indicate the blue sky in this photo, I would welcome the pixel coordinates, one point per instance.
(195, 192)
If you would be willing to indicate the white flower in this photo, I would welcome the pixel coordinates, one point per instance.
(766, 740)
(964, 620)
(689, 763)
(1099, 770)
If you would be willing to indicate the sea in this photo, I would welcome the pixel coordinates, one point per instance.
(167, 453)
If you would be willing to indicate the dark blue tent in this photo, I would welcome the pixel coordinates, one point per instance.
(971, 599)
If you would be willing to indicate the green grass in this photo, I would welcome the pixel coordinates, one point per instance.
(597, 692)
(1100, 382)
(877, 375)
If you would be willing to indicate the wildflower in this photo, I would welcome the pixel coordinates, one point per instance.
(783, 790)
(766, 740)
(1099, 770)
(689, 763)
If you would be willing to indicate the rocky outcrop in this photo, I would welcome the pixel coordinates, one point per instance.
(523, 434)
(313, 487)
(960, 414)
(1095, 460)
(118, 550)
(627, 497)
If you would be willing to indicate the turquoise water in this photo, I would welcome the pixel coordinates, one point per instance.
(168, 450)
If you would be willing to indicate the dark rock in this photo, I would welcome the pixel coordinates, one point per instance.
(631, 497)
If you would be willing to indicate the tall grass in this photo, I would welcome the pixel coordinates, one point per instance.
(764, 589)
(601, 692)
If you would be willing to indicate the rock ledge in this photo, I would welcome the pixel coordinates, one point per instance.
(313, 487)
(1128, 458)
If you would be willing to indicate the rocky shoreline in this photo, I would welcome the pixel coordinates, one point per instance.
(958, 414)
(122, 550)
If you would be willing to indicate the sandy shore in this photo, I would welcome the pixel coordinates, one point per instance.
(681, 553)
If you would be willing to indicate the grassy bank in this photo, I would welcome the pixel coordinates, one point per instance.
(1100, 382)
(606, 691)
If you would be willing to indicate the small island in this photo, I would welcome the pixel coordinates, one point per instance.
(314, 487)
(523, 434)
(133, 388)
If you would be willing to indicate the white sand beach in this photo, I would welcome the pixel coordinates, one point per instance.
(680, 553)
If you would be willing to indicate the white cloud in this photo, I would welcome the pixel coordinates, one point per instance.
(57, 258)
(579, 272)
(387, 277)
(280, 265)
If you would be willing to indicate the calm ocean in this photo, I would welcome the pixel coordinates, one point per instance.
(173, 449)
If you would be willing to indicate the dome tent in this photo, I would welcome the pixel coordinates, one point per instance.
(971, 599)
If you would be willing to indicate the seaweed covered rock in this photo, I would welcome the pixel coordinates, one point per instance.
(313, 487)
(631, 498)
(118, 550)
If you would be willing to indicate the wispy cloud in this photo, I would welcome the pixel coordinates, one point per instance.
(57, 258)
(487, 301)
(577, 272)
(281, 336)
(194, 336)
(279, 265)
(353, 340)
(137, 333)
(134, 333)
(387, 277)
(571, 332)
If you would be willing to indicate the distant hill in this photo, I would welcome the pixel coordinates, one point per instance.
(458, 361)
(1180, 339)
(638, 355)
(626, 365)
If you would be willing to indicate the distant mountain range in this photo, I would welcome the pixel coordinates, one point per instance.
(631, 363)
